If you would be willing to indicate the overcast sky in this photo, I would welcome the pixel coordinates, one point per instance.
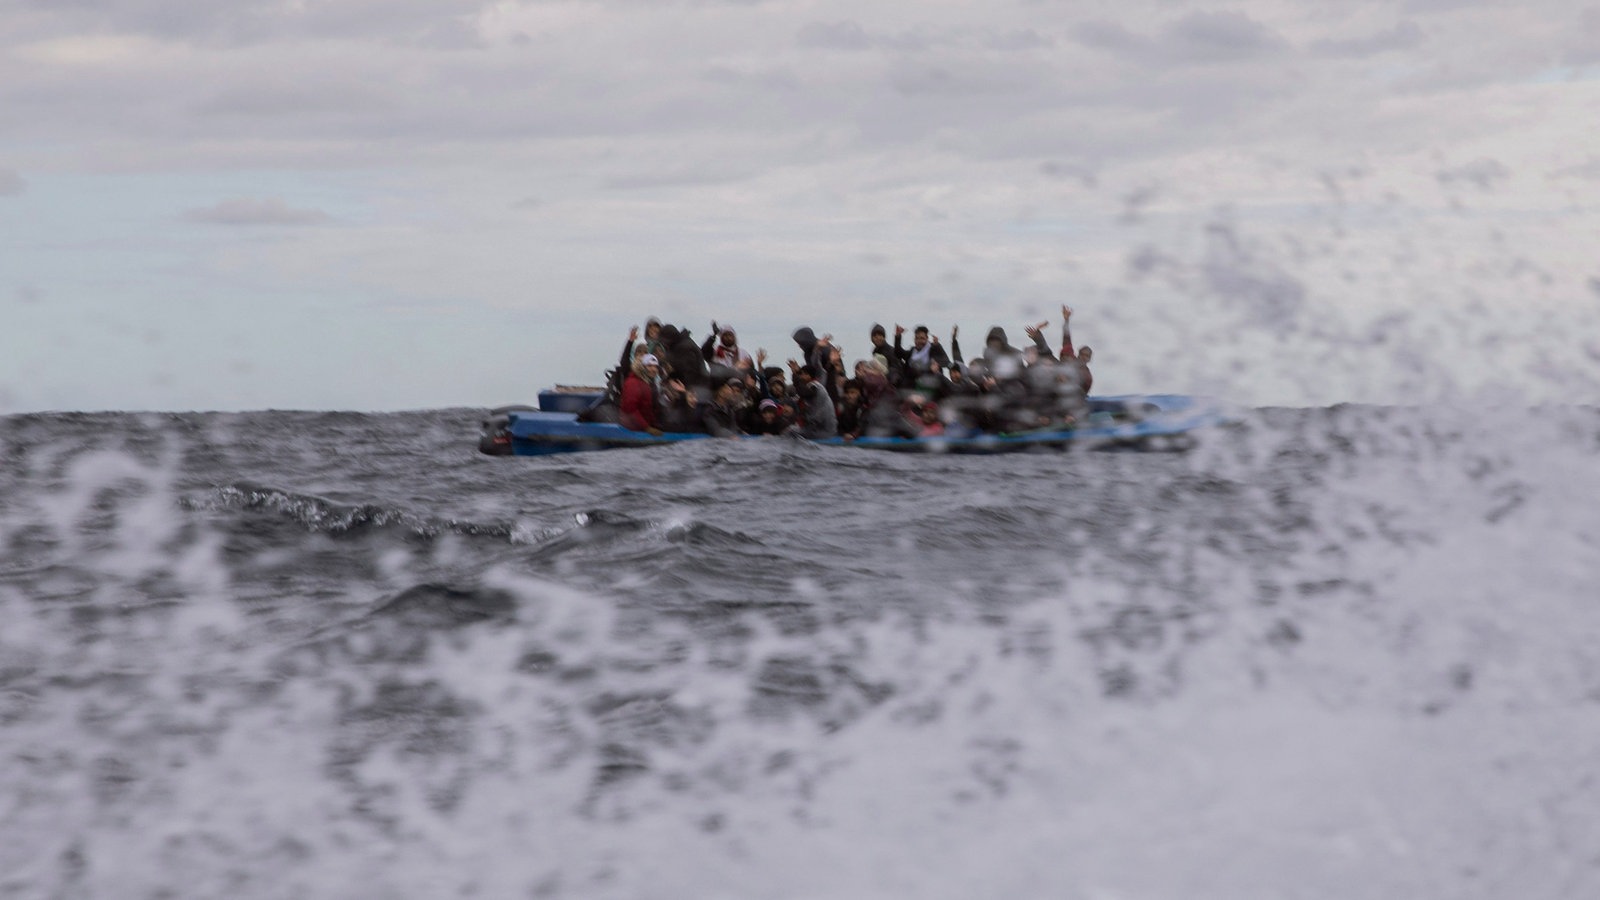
(388, 204)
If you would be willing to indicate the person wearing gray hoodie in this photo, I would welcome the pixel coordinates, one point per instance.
(817, 417)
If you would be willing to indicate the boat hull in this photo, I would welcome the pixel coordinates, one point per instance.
(1145, 422)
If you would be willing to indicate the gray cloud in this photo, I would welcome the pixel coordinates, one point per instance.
(1020, 40)
(835, 36)
(1109, 36)
(11, 184)
(1195, 38)
(988, 91)
(683, 176)
(1135, 201)
(774, 79)
(292, 100)
(953, 75)
(1076, 171)
(441, 24)
(1484, 174)
(1221, 36)
(1240, 274)
(1403, 36)
(249, 211)
(850, 36)
(1584, 47)
(1590, 169)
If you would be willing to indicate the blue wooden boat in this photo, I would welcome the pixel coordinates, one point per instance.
(1134, 421)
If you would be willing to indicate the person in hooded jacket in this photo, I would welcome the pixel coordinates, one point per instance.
(653, 344)
(996, 347)
(722, 348)
(814, 351)
(683, 360)
(640, 397)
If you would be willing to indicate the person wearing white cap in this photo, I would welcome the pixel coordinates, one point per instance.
(639, 403)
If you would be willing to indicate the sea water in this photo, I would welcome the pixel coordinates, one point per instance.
(1328, 653)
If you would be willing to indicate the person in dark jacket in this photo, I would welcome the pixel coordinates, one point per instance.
(931, 383)
(631, 351)
(882, 347)
(681, 410)
(917, 359)
(996, 346)
(683, 360)
(851, 409)
(1040, 350)
(775, 386)
(814, 351)
(769, 420)
(882, 402)
(722, 417)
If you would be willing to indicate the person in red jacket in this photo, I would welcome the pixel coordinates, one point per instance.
(638, 406)
(1081, 357)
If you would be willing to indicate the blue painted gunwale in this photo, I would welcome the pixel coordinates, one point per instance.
(1155, 416)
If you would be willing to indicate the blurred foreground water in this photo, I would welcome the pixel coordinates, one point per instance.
(1347, 652)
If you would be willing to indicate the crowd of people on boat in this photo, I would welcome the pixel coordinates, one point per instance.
(666, 381)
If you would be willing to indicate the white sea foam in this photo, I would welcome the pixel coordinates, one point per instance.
(1347, 653)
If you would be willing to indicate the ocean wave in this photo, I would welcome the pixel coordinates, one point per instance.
(290, 654)
(321, 514)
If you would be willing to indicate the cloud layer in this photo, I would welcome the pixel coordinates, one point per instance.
(251, 211)
(1294, 173)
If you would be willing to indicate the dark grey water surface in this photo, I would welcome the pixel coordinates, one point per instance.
(338, 654)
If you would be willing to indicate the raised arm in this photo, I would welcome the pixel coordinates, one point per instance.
(1037, 333)
(625, 365)
(1066, 333)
